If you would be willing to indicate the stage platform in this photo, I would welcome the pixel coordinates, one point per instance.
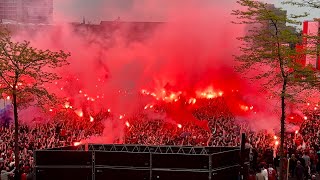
(138, 162)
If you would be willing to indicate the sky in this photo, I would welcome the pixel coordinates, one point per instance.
(96, 10)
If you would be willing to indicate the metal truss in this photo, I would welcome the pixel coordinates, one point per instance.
(189, 150)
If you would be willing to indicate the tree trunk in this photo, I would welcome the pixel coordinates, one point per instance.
(16, 130)
(282, 131)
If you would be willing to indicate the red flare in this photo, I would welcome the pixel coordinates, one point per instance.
(79, 112)
(127, 124)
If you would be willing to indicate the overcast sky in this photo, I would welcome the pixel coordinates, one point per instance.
(97, 10)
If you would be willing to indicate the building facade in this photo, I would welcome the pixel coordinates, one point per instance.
(27, 11)
(311, 29)
(9, 9)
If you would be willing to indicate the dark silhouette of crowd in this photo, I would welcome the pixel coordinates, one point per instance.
(302, 147)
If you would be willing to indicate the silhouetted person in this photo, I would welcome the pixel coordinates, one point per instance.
(299, 171)
(292, 165)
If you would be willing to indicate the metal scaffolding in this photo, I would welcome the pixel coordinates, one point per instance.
(219, 159)
(189, 150)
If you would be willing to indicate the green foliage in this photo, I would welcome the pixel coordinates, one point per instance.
(304, 3)
(269, 50)
(25, 70)
(269, 56)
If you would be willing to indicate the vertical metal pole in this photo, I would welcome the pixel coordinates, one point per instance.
(93, 165)
(242, 154)
(150, 167)
(210, 166)
(35, 163)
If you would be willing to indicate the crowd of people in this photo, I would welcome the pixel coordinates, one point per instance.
(302, 147)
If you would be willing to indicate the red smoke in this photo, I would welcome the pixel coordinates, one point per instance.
(189, 57)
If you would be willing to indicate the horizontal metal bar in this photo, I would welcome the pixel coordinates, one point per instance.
(222, 152)
(62, 166)
(154, 169)
(226, 167)
(122, 168)
(128, 152)
(142, 145)
(181, 170)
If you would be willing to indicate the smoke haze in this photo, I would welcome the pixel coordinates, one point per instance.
(192, 51)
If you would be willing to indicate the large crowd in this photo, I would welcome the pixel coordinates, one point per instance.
(302, 147)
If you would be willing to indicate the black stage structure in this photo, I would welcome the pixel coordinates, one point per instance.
(140, 162)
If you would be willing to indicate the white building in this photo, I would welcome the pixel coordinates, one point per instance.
(27, 11)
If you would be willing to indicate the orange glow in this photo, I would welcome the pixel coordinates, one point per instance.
(127, 124)
(209, 93)
(275, 137)
(143, 91)
(245, 108)
(192, 101)
(276, 143)
(76, 143)
(79, 112)
(179, 126)
(67, 105)
(148, 106)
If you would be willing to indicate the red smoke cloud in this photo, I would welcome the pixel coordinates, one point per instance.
(191, 52)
